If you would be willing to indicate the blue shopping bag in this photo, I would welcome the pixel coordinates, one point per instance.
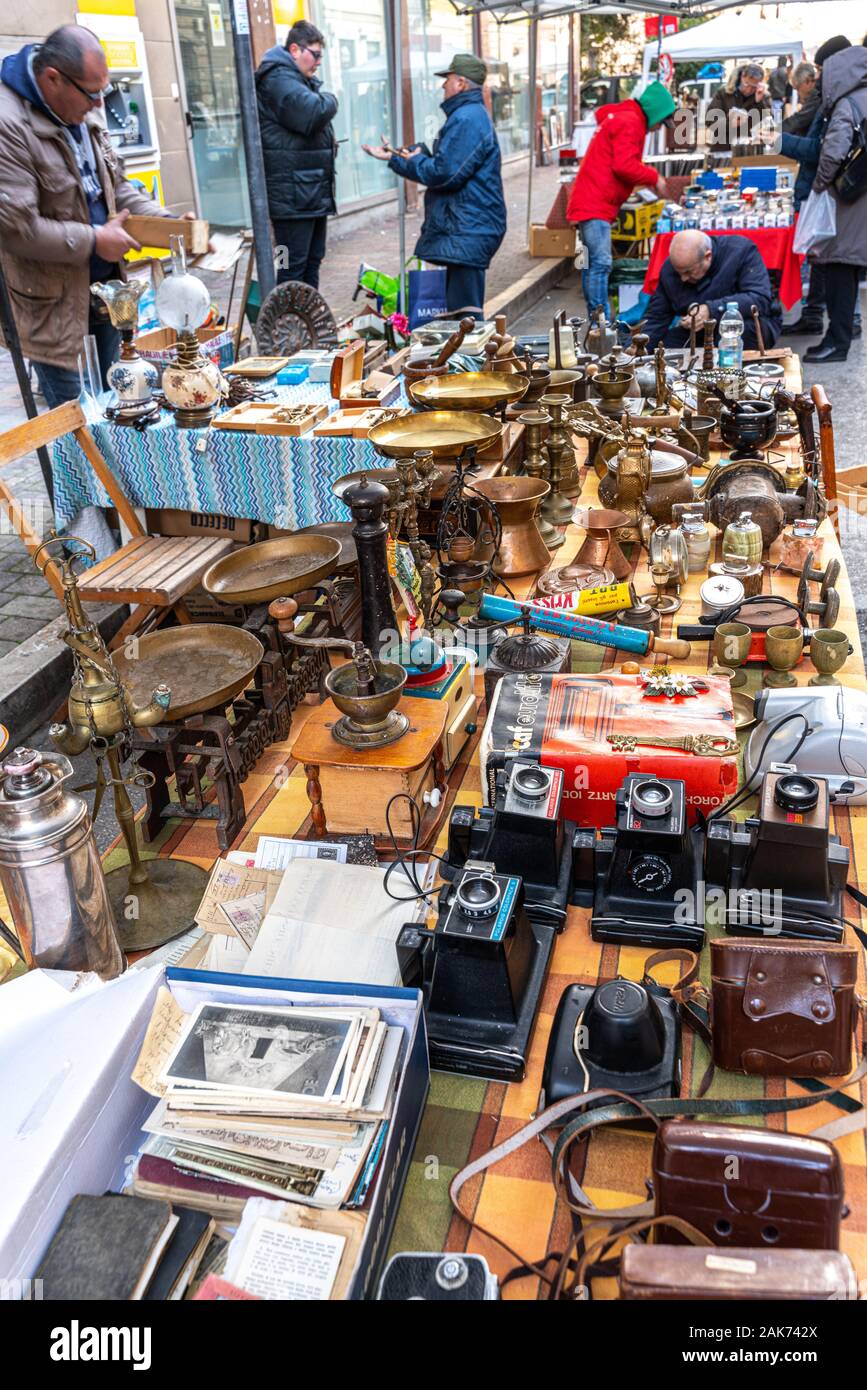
(426, 292)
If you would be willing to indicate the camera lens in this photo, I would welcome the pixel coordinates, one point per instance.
(652, 798)
(795, 793)
(531, 783)
(479, 896)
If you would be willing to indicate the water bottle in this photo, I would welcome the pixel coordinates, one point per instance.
(731, 337)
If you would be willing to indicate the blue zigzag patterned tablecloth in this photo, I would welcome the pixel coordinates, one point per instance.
(282, 480)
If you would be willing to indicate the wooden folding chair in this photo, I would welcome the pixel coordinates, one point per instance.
(826, 453)
(150, 573)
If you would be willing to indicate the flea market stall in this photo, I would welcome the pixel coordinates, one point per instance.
(543, 575)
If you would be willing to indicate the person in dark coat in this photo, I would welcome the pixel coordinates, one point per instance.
(299, 148)
(711, 272)
(464, 208)
(844, 108)
(805, 148)
(805, 80)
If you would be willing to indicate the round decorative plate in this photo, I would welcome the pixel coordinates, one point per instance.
(294, 317)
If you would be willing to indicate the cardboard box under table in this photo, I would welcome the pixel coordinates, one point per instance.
(72, 1122)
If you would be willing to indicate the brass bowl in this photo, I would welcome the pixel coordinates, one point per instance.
(339, 531)
(612, 386)
(369, 721)
(443, 432)
(272, 569)
(205, 665)
(468, 390)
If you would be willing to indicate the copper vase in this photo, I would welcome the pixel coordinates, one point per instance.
(522, 549)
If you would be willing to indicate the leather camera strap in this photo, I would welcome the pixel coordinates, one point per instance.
(618, 1107)
(594, 1252)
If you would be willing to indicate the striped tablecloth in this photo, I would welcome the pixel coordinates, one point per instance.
(285, 481)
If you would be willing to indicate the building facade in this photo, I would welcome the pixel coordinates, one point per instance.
(175, 116)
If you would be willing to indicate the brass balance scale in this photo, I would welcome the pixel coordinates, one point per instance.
(155, 900)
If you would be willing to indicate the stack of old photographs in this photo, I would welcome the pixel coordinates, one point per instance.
(284, 1102)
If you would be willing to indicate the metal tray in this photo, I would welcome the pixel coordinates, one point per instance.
(443, 432)
(205, 665)
(468, 390)
(272, 569)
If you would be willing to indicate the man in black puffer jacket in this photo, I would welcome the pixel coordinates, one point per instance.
(299, 148)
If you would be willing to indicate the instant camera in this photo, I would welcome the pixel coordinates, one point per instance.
(482, 971)
(782, 871)
(620, 1036)
(520, 834)
(645, 869)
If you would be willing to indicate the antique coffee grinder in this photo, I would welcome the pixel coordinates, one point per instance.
(153, 902)
(343, 758)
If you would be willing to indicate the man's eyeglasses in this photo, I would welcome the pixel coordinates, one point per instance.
(91, 96)
(315, 53)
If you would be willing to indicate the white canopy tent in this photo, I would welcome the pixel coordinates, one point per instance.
(728, 35)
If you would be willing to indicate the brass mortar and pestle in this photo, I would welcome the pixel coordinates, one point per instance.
(365, 691)
(438, 363)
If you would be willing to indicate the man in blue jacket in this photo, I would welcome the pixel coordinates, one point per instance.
(465, 212)
(299, 149)
(711, 272)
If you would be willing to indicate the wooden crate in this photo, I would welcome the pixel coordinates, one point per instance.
(156, 231)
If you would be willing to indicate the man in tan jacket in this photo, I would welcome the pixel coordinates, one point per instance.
(63, 204)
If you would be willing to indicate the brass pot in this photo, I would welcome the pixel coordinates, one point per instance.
(522, 549)
(570, 381)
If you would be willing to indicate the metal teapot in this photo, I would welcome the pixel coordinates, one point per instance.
(50, 869)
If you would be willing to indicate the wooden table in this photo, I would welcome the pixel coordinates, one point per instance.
(464, 1116)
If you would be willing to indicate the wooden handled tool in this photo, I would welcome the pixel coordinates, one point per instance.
(760, 339)
(802, 407)
(452, 344)
(582, 628)
(707, 358)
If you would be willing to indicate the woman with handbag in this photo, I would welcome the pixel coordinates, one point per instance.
(844, 105)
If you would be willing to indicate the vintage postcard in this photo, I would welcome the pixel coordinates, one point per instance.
(281, 1052)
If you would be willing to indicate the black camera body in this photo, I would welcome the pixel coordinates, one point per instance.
(482, 971)
(620, 1036)
(437, 1278)
(647, 868)
(782, 872)
(520, 834)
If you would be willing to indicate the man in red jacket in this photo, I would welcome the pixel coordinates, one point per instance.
(609, 171)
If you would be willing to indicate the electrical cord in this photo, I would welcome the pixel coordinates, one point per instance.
(406, 859)
(746, 790)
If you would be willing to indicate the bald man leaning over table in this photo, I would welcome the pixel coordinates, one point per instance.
(710, 272)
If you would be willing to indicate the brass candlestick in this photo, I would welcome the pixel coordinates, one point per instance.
(535, 422)
(556, 507)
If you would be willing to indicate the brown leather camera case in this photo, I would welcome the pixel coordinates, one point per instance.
(749, 1187)
(783, 1008)
(693, 1273)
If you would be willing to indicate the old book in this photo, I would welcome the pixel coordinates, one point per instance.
(182, 1256)
(106, 1248)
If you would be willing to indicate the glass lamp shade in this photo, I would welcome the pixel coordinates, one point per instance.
(183, 301)
(121, 298)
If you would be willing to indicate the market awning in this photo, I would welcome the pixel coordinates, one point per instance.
(726, 36)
